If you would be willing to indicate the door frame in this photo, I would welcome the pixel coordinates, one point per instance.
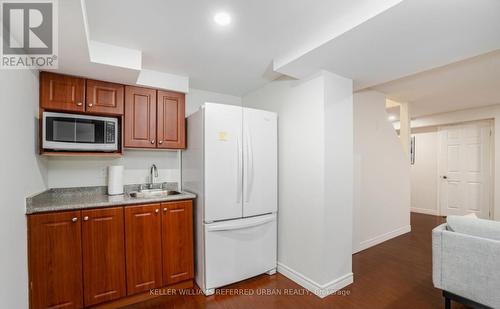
(491, 174)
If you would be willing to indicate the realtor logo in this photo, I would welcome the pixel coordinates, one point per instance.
(29, 34)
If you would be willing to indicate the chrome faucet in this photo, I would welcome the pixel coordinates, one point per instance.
(153, 173)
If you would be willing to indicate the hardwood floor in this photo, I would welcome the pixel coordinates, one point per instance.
(395, 274)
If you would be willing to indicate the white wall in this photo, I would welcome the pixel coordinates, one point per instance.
(196, 97)
(382, 175)
(474, 114)
(424, 173)
(66, 172)
(22, 173)
(339, 177)
(78, 171)
(315, 140)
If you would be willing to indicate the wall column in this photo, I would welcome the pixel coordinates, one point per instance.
(405, 127)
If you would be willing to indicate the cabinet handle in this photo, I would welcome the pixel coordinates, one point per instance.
(86, 218)
(165, 209)
(152, 141)
(157, 210)
(160, 142)
(79, 104)
(90, 104)
(74, 219)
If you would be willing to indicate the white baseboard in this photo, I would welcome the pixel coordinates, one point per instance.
(433, 212)
(320, 290)
(381, 238)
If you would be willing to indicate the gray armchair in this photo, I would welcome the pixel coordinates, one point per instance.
(466, 261)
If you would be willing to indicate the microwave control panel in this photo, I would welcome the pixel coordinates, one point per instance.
(110, 132)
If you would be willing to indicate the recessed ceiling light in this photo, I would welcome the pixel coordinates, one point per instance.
(222, 18)
(391, 117)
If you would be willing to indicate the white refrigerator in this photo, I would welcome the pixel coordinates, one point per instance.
(231, 163)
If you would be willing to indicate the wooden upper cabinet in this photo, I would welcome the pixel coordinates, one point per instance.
(61, 92)
(177, 241)
(171, 120)
(103, 246)
(143, 248)
(55, 260)
(140, 117)
(104, 98)
(152, 119)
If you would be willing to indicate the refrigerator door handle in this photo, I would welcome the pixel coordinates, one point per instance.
(242, 224)
(245, 164)
(250, 150)
(249, 162)
(239, 177)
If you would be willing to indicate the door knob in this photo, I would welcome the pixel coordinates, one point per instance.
(157, 210)
(160, 142)
(152, 141)
(90, 104)
(74, 219)
(165, 209)
(86, 218)
(79, 103)
(445, 177)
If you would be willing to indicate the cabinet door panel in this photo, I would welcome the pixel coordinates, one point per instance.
(177, 241)
(171, 120)
(103, 245)
(143, 248)
(61, 92)
(105, 98)
(140, 117)
(55, 260)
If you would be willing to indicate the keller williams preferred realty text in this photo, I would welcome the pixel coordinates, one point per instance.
(244, 292)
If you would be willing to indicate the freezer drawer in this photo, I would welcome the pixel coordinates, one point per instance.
(239, 249)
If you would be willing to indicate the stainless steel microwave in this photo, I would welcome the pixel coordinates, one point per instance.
(79, 132)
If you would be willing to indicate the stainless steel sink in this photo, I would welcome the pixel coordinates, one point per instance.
(152, 193)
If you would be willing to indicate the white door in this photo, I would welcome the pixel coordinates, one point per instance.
(239, 249)
(464, 169)
(223, 162)
(260, 161)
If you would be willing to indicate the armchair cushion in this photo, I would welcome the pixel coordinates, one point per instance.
(474, 227)
(466, 265)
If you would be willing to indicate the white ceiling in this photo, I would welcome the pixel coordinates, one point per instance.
(411, 37)
(74, 48)
(176, 44)
(466, 84)
(180, 37)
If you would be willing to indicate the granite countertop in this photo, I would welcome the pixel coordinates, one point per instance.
(93, 197)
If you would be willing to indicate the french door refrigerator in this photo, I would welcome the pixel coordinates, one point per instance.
(231, 163)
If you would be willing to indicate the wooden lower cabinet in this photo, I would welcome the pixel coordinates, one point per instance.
(54, 254)
(177, 241)
(143, 247)
(85, 258)
(103, 245)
